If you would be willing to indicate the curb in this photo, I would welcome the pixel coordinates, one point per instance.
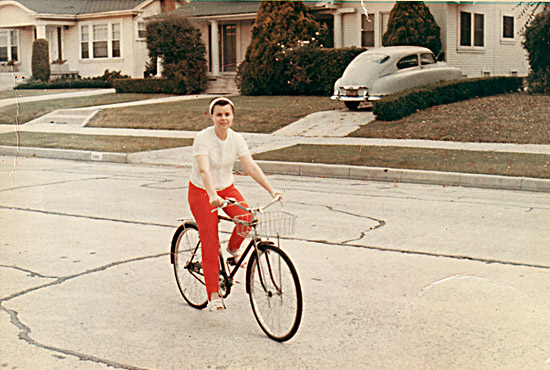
(320, 170)
(75, 155)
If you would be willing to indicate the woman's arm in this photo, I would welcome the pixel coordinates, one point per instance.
(257, 174)
(204, 169)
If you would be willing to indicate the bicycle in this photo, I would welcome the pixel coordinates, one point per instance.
(272, 281)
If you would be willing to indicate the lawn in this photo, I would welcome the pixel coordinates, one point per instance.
(259, 114)
(100, 143)
(512, 118)
(465, 161)
(26, 112)
(7, 94)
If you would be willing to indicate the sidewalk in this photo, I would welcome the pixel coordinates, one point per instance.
(318, 128)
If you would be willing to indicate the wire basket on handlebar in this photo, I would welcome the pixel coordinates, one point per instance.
(273, 224)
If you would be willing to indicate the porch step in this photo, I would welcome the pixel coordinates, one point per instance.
(222, 85)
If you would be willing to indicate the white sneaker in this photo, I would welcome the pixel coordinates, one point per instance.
(216, 305)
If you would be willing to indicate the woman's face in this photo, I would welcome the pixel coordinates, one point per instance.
(222, 116)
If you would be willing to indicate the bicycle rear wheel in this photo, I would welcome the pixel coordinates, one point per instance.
(187, 259)
(275, 293)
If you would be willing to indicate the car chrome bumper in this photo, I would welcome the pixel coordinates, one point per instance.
(355, 98)
(348, 98)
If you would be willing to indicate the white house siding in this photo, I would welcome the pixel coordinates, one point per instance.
(497, 57)
(350, 25)
(13, 17)
(439, 11)
(141, 54)
(97, 66)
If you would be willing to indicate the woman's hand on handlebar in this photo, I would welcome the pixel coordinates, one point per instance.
(216, 201)
(277, 195)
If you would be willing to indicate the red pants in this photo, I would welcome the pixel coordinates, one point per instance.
(207, 221)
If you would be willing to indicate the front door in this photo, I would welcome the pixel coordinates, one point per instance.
(228, 53)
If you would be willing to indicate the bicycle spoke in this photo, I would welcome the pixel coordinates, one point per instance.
(275, 294)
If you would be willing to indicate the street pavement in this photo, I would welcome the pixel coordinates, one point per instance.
(329, 127)
(394, 275)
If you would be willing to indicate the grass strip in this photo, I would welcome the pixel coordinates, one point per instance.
(446, 160)
(9, 94)
(256, 114)
(31, 110)
(99, 143)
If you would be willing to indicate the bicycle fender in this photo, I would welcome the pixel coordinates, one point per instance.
(261, 247)
(179, 230)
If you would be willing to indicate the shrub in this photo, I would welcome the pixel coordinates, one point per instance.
(182, 51)
(279, 25)
(537, 44)
(64, 84)
(103, 81)
(150, 86)
(311, 70)
(399, 105)
(412, 23)
(40, 60)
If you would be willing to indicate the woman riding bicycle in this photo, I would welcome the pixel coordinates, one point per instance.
(215, 150)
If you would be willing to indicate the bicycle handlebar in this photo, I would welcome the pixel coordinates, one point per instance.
(233, 201)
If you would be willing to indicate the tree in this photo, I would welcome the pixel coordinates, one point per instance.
(537, 44)
(40, 64)
(412, 23)
(183, 53)
(279, 25)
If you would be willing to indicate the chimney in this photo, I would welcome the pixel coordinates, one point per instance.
(168, 5)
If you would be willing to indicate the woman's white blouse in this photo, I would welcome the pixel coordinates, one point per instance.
(222, 155)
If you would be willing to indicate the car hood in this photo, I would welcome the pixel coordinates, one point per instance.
(362, 72)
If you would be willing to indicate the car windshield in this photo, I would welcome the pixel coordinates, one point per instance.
(371, 58)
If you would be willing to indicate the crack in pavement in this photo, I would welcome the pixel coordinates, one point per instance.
(25, 331)
(362, 234)
(24, 334)
(29, 272)
(52, 183)
(96, 218)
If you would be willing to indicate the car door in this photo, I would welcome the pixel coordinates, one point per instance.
(431, 70)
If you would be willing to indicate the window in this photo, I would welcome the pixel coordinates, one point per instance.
(142, 30)
(9, 45)
(98, 41)
(115, 39)
(469, 33)
(427, 58)
(84, 42)
(13, 45)
(367, 31)
(507, 27)
(408, 62)
(478, 30)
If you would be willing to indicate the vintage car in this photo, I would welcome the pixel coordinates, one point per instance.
(386, 70)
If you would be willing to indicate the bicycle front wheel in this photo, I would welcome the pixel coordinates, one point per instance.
(187, 259)
(275, 293)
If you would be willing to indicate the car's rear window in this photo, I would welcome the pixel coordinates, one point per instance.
(371, 58)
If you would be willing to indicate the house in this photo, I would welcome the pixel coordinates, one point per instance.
(86, 37)
(481, 38)
(91, 36)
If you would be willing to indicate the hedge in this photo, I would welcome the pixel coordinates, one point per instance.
(399, 105)
(306, 70)
(103, 81)
(65, 84)
(149, 86)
